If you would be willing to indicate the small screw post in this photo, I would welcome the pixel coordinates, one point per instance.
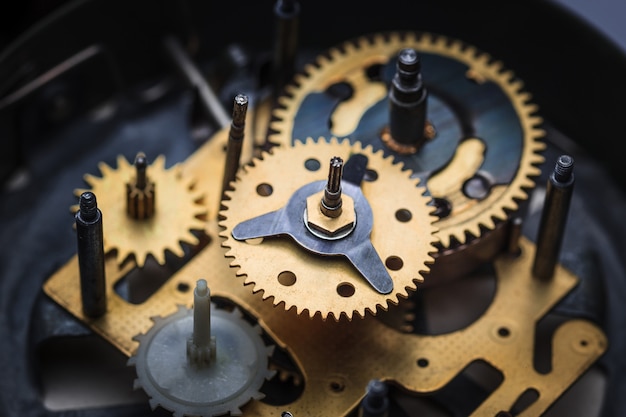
(90, 241)
(331, 202)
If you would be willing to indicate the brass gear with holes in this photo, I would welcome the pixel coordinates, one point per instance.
(323, 285)
(178, 211)
(349, 62)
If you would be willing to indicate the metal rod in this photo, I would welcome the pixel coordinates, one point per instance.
(90, 240)
(208, 99)
(201, 314)
(201, 347)
(286, 14)
(515, 232)
(553, 217)
(331, 202)
(141, 163)
(235, 141)
(407, 101)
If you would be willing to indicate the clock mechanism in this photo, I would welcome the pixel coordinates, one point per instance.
(271, 211)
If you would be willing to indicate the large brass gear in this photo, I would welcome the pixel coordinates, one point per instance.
(320, 284)
(349, 63)
(177, 213)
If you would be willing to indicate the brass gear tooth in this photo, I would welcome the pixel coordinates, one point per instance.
(334, 54)
(535, 121)
(391, 37)
(517, 85)
(321, 61)
(441, 42)
(455, 46)
(90, 179)
(532, 108)
(159, 162)
(445, 240)
(290, 89)
(362, 42)
(470, 50)
(279, 112)
(427, 38)
(351, 47)
(509, 76)
(178, 250)
(104, 169)
(411, 37)
(498, 67)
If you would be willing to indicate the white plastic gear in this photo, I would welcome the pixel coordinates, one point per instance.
(330, 285)
(235, 378)
(177, 212)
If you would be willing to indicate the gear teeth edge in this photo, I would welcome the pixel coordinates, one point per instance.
(104, 169)
(153, 403)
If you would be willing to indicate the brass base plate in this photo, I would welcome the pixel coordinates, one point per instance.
(337, 359)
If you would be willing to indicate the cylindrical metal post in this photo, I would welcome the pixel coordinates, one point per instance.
(407, 102)
(553, 217)
(286, 13)
(331, 202)
(201, 314)
(201, 346)
(91, 256)
(235, 141)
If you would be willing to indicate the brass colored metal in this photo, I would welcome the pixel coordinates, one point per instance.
(177, 212)
(347, 354)
(348, 63)
(330, 286)
(337, 359)
(332, 226)
(140, 191)
(402, 148)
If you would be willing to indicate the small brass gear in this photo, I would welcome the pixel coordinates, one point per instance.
(178, 210)
(402, 232)
(486, 144)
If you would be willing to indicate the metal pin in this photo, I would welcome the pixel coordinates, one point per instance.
(141, 163)
(91, 255)
(407, 101)
(331, 202)
(553, 217)
(140, 193)
(235, 141)
(201, 346)
(286, 14)
(376, 402)
(515, 232)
